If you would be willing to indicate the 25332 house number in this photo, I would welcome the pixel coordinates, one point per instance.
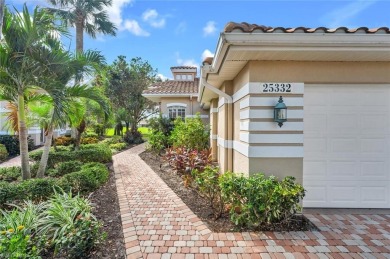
(276, 88)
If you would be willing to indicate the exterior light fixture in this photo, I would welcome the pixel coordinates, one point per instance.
(280, 112)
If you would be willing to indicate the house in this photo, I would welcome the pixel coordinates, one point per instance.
(336, 86)
(178, 97)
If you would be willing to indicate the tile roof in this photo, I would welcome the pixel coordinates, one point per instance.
(246, 27)
(174, 87)
(183, 67)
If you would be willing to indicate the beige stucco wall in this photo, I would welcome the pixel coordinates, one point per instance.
(319, 72)
(241, 163)
(192, 105)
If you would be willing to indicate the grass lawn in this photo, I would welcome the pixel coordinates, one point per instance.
(144, 131)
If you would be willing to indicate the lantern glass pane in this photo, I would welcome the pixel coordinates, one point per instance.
(282, 114)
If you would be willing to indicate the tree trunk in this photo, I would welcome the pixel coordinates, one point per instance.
(45, 154)
(2, 6)
(23, 144)
(80, 130)
(79, 35)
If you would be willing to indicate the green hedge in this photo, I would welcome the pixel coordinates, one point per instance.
(12, 144)
(89, 178)
(88, 153)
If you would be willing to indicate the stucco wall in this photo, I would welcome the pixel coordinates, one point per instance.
(192, 105)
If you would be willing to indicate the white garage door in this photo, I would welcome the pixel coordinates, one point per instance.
(347, 146)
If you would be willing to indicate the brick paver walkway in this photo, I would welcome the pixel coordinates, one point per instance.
(157, 224)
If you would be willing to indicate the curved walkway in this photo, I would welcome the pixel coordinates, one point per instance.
(157, 224)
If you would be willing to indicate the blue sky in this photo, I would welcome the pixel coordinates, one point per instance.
(172, 32)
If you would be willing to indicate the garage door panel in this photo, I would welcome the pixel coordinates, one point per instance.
(346, 145)
(373, 146)
(374, 170)
(343, 170)
(316, 170)
(346, 123)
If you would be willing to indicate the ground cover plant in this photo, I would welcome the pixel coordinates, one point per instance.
(64, 225)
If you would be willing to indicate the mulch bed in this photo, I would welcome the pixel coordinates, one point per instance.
(201, 207)
(106, 209)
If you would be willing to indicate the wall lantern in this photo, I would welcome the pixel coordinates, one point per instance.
(280, 112)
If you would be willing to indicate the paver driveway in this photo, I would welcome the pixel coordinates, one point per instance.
(157, 224)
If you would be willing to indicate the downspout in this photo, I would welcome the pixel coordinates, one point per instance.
(229, 101)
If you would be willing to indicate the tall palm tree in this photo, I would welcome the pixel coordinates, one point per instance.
(84, 15)
(2, 5)
(66, 101)
(28, 52)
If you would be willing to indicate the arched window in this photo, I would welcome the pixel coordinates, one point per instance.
(176, 111)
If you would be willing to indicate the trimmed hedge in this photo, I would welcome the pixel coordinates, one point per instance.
(3, 153)
(64, 168)
(11, 143)
(89, 178)
(88, 153)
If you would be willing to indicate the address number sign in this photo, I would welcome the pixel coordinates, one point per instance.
(276, 87)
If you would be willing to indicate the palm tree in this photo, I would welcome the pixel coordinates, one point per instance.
(67, 101)
(85, 15)
(29, 50)
(2, 5)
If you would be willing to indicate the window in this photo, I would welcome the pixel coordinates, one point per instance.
(176, 111)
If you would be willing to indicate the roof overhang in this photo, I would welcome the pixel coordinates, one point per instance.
(236, 49)
(157, 97)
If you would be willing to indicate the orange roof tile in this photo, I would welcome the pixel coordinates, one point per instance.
(174, 87)
(246, 27)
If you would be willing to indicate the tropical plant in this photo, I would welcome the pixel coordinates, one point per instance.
(2, 5)
(190, 133)
(260, 201)
(126, 82)
(86, 16)
(18, 229)
(68, 221)
(30, 50)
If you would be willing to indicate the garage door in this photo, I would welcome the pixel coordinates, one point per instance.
(347, 146)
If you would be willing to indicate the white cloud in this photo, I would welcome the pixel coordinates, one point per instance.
(152, 17)
(207, 53)
(209, 29)
(185, 62)
(133, 27)
(344, 15)
(115, 11)
(162, 77)
(181, 28)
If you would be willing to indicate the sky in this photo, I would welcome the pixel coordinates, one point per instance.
(170, 33)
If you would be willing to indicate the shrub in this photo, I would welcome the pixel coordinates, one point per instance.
(12, 144)
(183, 160)
(70, 225)
(66, 168)
(37, 189)
(207, 184)
(191, 133)
(18, 229)
(118, 146)
(113, 140)
(3, 153)
(259, 200)
(88, 153)
(157, 142)
(89, 140)
(134, 137)
(10, 174)
(91, 177)
(64, 141)
(9, 192)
